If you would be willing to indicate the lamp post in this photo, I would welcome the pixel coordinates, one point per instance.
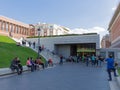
(38, 42)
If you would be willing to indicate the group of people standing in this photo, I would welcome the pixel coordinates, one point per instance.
(97, 61)
(31, 44)
(94, 60)
(88, 59)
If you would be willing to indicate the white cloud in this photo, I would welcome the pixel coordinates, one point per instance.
(99, 30)
(114, 8)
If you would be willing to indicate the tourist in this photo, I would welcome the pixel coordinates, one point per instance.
(87, 60)
(19, 66)
(36, 64)
(61, 60)
(40, 62)
(29, 64)
(34, 45)
(16, 65)
(93, 59)
(101, 59)
(40, 49)
(29, 44)
(110, 67)
(50, 62)
(97, 61)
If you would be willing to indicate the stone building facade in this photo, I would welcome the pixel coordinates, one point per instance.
(114, 29)
(105, 42)
(70, 45)
(50, 29)
(16, 29)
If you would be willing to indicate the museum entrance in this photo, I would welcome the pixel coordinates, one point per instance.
(83, 49)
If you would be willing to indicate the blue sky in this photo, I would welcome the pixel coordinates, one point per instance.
(78, 15)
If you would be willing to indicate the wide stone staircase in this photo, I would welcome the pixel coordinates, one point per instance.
(47, 54)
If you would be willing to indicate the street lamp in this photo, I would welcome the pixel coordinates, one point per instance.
(38, 42)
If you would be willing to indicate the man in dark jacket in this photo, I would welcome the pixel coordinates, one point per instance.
(16, 65)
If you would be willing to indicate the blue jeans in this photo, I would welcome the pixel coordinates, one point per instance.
(109, 70)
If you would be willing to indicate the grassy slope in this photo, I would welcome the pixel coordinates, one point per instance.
(9, 50)
(118, 71)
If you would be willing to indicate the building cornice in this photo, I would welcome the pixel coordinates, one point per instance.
(114, 18)
(13, 21)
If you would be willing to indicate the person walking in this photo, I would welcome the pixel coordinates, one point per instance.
(34, 45)
(110, 67)
(101, 60)
(93, 59)
(87, 60)
(61, 60)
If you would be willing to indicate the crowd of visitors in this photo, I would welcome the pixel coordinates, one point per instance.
(87, 59)
(30, 63)
(96, 61)
(92, 60)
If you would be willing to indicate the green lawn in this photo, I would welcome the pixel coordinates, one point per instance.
(118, 71)
(9, 50)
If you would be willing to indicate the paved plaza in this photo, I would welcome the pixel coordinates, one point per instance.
(69, 76)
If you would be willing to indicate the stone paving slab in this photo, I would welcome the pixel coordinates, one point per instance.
(69, 76)
(114, 85)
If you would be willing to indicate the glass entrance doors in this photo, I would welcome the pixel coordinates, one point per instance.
(83, 49)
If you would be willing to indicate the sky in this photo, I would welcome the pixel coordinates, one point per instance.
(80, 16)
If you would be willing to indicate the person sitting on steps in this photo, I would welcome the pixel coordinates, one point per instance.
(30, 64)
(39, 61)
(50, 62)
(16, 65)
